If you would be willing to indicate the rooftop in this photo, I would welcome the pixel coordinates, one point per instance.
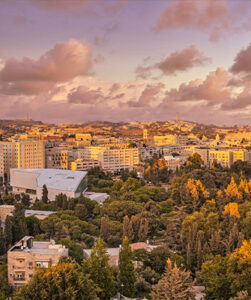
(56, 178)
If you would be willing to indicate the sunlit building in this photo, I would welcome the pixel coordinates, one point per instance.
(22, 154)
(27, 255)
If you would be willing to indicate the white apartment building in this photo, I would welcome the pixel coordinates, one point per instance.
(115, 159)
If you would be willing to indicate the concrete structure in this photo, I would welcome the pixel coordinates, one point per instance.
(7, 210)
(22, 154)
(27, 255)
(31, 181)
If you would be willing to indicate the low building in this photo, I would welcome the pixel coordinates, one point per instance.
(28, 255)
(98, 197)
(114, 252)
(7, 210)
(31, 182)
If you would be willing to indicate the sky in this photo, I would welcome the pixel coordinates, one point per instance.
(126, 60)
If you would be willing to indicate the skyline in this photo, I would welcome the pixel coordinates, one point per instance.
(126, 60)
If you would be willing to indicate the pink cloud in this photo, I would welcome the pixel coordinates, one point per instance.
(242, 62)
(214, 16)
(61, 64)
(177, 61)
(83, 95)
(214, 89)
(148, 96)
(183, 60)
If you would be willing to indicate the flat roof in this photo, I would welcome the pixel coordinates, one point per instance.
(58, 179)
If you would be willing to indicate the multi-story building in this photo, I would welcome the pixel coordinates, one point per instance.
(149, 151)
(115, 159)
(58, 158)
(28, 255)
(223, 157)
(240, 154)
(83, 165)
(22, 154)
(204, 154)
(170, 139)
(173, 163)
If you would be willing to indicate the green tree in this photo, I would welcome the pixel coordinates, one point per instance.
(126, 269)
(214, 277)
(2, 241)
(75, 250)
(100, 271)
(176, 284)
(65, 281)
(5, 288)
(45, 194)
(19, 224)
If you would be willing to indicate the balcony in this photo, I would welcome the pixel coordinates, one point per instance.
(19, 278)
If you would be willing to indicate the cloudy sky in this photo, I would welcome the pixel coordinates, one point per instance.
(126, 60)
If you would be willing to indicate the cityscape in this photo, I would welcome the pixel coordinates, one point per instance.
(125, 150)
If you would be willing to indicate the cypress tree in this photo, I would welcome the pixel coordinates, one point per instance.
(2, 240)
(100, 271)
(19, 224)
(126, 269)
(45, 194)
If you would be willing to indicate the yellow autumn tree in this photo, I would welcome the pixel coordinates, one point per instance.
(232, 191)
(232, 209)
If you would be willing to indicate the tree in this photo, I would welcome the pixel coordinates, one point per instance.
(65, 281)
(45, 194)
(239, 269)
(5, 288)
(243, 295)
(75, 250)
(175, 284)
(126, 269)
(214, 277)
(19, 224)
(2, 241)
(9, 231)
(100, 271)
(104, 228)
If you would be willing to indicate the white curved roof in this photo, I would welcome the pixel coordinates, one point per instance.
(57, 179)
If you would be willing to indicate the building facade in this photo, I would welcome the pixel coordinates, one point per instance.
(27, 255)
(23, 154)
